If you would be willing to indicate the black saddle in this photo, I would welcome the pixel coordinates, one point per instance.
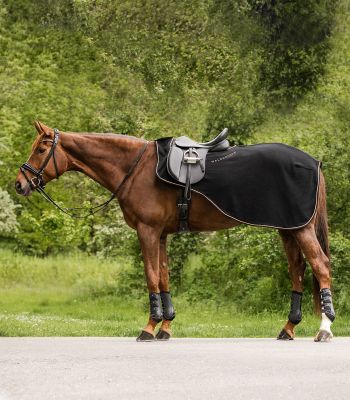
(219, 143)
(186, 164)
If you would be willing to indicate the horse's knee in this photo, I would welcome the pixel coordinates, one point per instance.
(168, 308)
(295, 314)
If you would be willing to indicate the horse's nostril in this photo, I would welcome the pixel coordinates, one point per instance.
(18, 186)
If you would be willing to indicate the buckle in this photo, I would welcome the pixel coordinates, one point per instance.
(191, 159)
(36, 181)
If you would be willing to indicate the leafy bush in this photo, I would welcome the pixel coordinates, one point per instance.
(340, 258)
(181, 246)
(247, 267)
(8, 219)
(52, 233)
(296, 45)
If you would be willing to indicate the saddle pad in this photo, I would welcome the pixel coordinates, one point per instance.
(271, 185)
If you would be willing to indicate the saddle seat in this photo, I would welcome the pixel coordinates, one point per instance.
(220, 143)
(186, 158)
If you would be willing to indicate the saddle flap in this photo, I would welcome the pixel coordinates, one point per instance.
(174, 163)
(180, 164)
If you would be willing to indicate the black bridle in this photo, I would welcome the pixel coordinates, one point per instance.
(37, 181)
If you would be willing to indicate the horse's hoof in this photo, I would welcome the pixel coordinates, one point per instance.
(284, 335)
(145, 337)
(162, 335)
(323, 336)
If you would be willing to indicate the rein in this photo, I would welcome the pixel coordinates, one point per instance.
(37, 181)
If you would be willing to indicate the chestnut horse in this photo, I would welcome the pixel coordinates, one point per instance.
(149, 206)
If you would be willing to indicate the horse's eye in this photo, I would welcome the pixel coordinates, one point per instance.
(41, 150)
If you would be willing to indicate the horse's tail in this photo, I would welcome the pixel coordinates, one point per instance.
(321, 227)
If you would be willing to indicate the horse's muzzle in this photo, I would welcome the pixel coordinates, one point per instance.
(23, 189)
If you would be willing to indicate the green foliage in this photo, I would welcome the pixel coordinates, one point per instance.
(295, 44)
(181, 246)
(8, 220)
(132, 278)
(109, 239)
(320, 124)
(340, 253)
(53, 233)
(152, 68)
(248, 268)
(245, 267)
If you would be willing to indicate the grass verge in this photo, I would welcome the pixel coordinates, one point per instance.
(78, 296)
(57, 312)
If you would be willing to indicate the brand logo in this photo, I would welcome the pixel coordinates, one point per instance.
(222, 158)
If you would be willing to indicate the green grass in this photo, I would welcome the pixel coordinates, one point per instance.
(55, 312)
(77, 296)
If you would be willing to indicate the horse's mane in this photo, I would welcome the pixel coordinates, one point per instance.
(106, 134)
(95, 134)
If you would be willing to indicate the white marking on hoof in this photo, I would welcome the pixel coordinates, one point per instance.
(324, 334)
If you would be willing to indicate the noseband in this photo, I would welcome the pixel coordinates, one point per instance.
(37, 181)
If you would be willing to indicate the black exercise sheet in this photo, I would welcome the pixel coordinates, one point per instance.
(272, 184)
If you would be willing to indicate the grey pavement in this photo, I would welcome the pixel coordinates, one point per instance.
(120, 368)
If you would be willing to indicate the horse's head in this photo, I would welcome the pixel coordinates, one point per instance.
(46, 161)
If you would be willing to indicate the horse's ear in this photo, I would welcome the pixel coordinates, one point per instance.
(42, 128)
(37, 125)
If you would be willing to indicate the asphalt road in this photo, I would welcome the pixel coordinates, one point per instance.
(120, 368)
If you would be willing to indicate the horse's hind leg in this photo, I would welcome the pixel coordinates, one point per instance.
(296, 268)
(168, 308)
(320, 265)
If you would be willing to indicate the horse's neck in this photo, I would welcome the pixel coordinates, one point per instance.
(104, 158)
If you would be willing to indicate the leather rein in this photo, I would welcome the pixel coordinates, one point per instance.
(37, 181)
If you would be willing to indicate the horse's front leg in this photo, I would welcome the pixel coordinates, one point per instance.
(296, 268)
(168, 308)
(149, 238)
